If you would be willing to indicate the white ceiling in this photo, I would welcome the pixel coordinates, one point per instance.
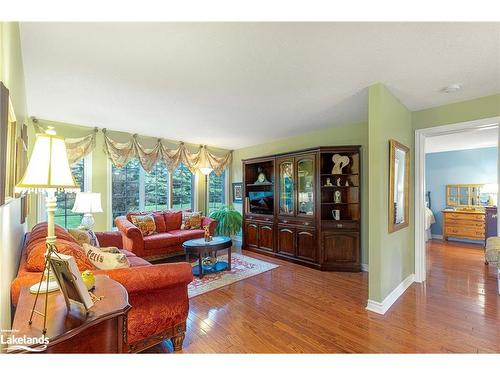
(238, 84)
(467, 140)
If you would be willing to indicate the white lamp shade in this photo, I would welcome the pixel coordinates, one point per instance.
(86, 203)
(48, 167)
(206, 170)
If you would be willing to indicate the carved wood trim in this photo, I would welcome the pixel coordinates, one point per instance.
(150, 341)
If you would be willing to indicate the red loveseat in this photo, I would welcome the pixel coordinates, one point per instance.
(169, 237)
(157, 293)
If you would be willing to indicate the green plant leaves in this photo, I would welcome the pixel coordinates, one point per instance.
(229, 219)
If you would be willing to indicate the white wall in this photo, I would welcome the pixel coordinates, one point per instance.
(11, 237)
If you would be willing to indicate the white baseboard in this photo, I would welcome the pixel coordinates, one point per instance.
(364, 267)
(382, 307)
(437, 236)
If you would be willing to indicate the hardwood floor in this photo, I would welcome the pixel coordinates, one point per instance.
(294, 309)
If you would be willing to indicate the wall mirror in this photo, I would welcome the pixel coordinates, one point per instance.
(399, 186)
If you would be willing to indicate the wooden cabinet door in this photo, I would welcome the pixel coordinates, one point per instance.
(286, 186)
(266, 237)
(286, 241)
(306, 244)
(340, 247)
(251, 235)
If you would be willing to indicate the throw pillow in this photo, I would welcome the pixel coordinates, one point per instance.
(191, 220)
(106, 258)
(145, 223)
(173, 220)
(84, 236)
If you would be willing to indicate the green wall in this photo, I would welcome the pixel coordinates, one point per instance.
(351, 134)
(391, 254)
(100, 167)
(11, 229)
(475, 109)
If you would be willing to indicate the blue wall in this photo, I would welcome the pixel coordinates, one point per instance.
(478, 166)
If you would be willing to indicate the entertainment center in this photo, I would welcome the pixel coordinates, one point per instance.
(305, 206)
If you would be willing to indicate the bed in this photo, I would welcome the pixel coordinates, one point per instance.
(429, 216)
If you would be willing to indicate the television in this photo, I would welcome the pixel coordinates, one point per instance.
(261, 202)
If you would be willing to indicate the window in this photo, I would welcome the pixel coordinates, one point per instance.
(133, 189)
(156, 188)
(65, 201)
(216, 191)
(182, 188)
(125, 188)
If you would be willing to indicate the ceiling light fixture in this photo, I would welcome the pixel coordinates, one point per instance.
(452, 88)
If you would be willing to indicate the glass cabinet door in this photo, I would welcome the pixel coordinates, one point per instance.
(305, 186)
(286, 182)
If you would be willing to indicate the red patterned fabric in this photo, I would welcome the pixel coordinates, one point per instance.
(173, 220)
(108, 239)
(65, 243)
(162, 244)
(188, 234)
(160, 240)
(157, 293)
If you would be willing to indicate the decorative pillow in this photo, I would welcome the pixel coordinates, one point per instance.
(191, 220)
(157, 216)
(35, 256)
(106, 258)
(84, 236)
(145, 223)
(173, 220)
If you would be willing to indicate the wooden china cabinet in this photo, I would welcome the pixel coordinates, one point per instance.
(299, 211)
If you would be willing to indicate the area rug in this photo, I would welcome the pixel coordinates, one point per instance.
(242, 267)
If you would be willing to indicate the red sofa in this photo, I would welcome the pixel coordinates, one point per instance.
(169, 238)
(157, 293)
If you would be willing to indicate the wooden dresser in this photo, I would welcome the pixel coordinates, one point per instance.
(464, 224)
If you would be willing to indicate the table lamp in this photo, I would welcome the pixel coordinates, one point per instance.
(87, 203)
(48, 171)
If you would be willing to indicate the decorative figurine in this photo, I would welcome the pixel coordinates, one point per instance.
(347, 183)
(208, 237)
(88, 279)
(338, 182)
(336, 214)
(261, 177)
(328, 182)
(339, 162)
(337, 197)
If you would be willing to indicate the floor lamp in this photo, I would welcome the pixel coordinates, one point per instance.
(48, 171)
(205, 168)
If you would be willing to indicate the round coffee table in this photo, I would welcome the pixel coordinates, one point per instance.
(199, 247)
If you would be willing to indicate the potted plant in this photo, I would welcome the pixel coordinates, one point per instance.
(229, 220)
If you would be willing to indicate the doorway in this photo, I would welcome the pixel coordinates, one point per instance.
(423, 138)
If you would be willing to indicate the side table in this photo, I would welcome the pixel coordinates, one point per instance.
(102, 330)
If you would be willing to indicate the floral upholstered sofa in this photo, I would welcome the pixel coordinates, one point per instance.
(157, 293)
(168, 237)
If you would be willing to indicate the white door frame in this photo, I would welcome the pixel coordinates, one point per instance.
(420, 137)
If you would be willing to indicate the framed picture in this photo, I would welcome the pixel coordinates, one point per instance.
(70, 281)
(399, 186)
(237, 192)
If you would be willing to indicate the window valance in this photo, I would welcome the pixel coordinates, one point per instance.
(120, 153)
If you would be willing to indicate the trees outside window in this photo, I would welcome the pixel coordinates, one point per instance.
(216, 191)
(182, 188)
(65, 201)
(133, 189)
(125, 188)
